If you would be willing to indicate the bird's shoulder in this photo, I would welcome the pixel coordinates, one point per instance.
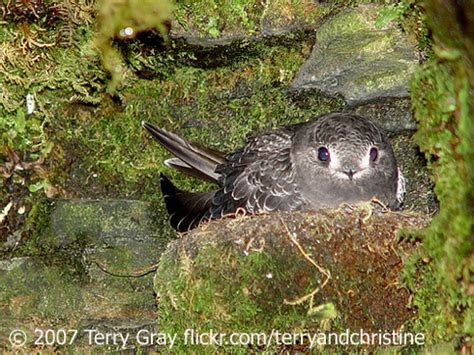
(260, 176)
(264, 145)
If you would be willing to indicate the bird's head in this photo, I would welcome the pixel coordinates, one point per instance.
(345, 158)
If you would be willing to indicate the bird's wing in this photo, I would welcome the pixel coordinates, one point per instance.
(186, 209)
(259, 177)
(191, 158)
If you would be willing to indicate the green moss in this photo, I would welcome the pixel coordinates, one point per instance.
(211, 17)
(39, 64)
(281, 15)
(223, 291)
(350, 23)
(443, 108)
(125, 20)
(35, 224)
(246, 275)
(34, 288)
(218, 108)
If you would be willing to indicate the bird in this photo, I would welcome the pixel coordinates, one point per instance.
(331, 159)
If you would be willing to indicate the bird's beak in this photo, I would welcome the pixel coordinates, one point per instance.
(350, 170)
(350, 173)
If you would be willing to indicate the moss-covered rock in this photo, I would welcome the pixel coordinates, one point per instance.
(419, 186)
(329, 270)
(90, 270)
(443, 102)
(359, 60)
(109, 221)
(213, 23)
(394, 115)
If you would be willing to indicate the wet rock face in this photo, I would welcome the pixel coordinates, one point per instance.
(287, 272)
(419, 185)
(355, 59)
(394, 115)
(104, 220)
(95, 275)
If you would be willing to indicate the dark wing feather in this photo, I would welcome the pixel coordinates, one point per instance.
(196, 160)
(186, 209)
(181, 166)
(259, 177)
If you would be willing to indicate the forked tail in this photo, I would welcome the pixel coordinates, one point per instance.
(186, 209)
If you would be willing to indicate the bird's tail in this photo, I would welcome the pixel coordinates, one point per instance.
(191, 158)
(186, 209)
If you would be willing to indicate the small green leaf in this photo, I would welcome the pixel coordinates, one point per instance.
(447, 53)
(47, 147)
(214, 32)
(20, 121)
(43, 184)
(323, 311)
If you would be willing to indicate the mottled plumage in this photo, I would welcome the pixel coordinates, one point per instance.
(321, 163)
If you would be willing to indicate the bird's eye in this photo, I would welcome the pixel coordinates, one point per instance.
(323, 154)
(374, 153)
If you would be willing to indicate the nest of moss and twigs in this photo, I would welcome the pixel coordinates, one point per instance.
(330, 270)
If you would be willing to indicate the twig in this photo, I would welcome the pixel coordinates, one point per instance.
(139, 273)
(325, 272)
